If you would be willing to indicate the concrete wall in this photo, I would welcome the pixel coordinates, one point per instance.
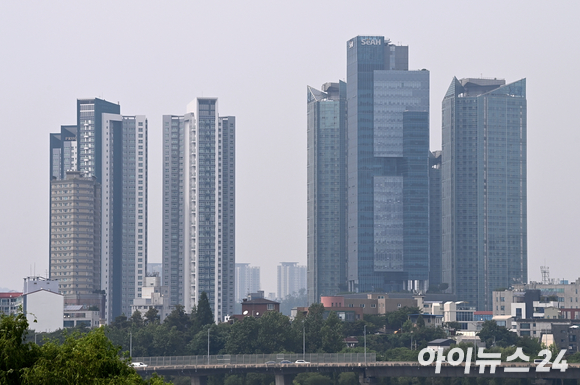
(46, 308)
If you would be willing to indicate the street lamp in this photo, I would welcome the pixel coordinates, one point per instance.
(365, 334)
(303, 341)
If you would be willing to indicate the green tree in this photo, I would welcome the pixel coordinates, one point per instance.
(274, 333)
(396, 318)
(136, 319)
(401, 354)
(574, 358)
(331, 333)
(15, 356)
(121, 322)
(243, 337)
(204, 315)
(313, 323)
(178, 319)
(420, 322)
(348, 378)
(312, 379)
(492, 334)
(152, 316)
(88, 359)
(407, 326)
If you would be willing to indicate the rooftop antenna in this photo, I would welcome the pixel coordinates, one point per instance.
(545, 274)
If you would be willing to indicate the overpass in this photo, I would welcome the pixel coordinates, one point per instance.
(198, 368)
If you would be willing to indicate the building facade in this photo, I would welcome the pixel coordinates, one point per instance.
(111, 149)
(327, 203)
(483, 179)
(247, 280)
(291, 279)
(63, 152)
(199, 207)
(75, 237)
(435, 222)
(388, 168)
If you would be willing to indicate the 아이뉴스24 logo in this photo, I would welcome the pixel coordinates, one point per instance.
(457, 356)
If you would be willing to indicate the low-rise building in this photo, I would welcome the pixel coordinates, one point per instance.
(372, 303)
(346, 314)
(44, 310)
(77, 315)
(10, 302)
(153, 295)
(430, 320)
(566, 335)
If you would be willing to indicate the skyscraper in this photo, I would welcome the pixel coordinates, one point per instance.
(112, 149)
(484, 198)
(199, 207)
(291, 279)
(326, 167)
(435, 221)
(388, 168)
(247, 280)
(75, 241)
(63, 152)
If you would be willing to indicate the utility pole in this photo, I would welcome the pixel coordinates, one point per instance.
(131, 344)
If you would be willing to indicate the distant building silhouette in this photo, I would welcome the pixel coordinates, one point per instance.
(291, 279)
(247, 280)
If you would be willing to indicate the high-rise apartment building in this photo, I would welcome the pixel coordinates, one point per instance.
(112, 149)
(247, 280)
(199, 207)
(388, 168)
(291, 279)
(326, 168)
(63, 152)
(75, 239)
(483, 179)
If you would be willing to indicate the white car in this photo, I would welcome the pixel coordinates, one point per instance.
(138, 365)
(301, 362)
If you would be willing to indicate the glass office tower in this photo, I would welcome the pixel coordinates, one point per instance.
(484, 197)
(388, 168)
(326, 168)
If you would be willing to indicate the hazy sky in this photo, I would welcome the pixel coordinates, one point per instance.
(258, 57)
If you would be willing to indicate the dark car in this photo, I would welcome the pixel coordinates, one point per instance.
(285, 362)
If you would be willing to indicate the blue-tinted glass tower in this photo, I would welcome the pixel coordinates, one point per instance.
(484, 197)
(435, 221)
(388, 168)
(326, 168)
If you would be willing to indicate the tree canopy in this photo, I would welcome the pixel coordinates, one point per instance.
(89, 358)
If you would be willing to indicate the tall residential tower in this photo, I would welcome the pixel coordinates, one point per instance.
(199, 207)
(484, 197)
(112, 150)
(247, 280)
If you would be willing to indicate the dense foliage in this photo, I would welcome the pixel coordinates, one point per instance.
(81, 359)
